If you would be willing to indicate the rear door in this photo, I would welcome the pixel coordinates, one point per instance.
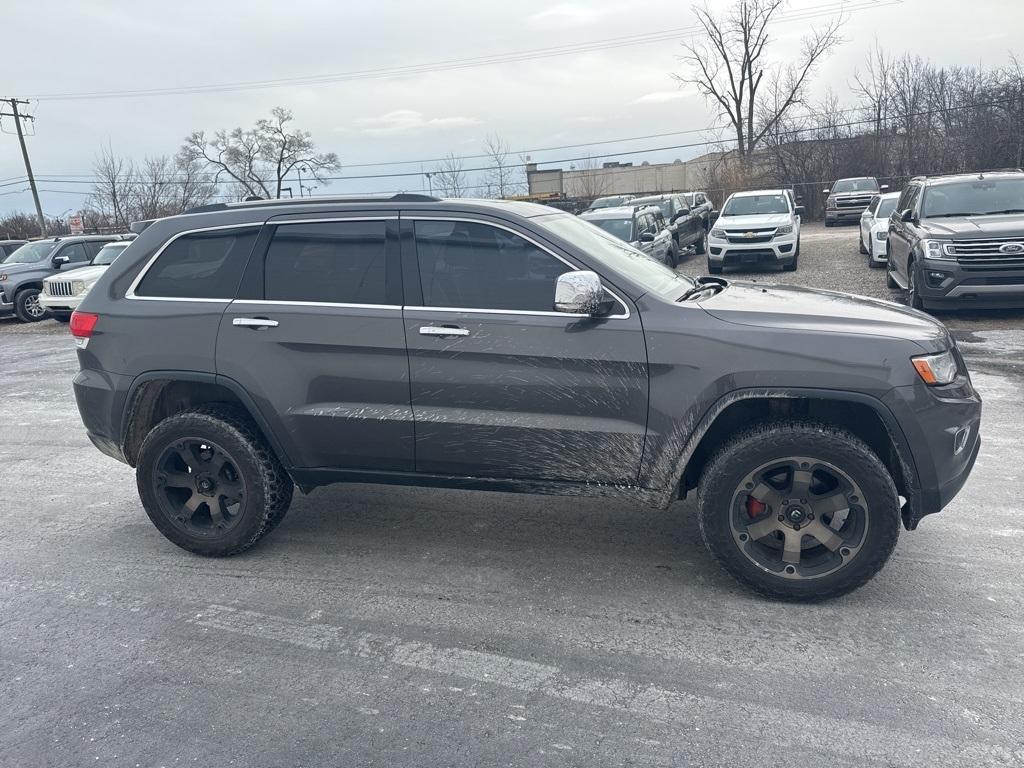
(316, 338)
(503, 386)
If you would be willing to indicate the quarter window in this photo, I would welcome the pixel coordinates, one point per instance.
(200, 265)
(476, 266)
(338, 262)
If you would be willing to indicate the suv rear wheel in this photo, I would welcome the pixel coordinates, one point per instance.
(210, 483)
(27, 306)
(798, 510)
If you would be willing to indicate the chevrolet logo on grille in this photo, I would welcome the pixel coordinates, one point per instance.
(749, 235)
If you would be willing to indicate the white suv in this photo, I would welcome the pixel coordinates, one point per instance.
(756, 228)
(63, 292)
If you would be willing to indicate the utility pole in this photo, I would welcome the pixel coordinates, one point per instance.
(24, 153)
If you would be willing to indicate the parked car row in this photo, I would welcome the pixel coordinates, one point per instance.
(23, 274)
(661, 226)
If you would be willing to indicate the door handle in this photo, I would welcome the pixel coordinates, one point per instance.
(442, 330)
(254, 322)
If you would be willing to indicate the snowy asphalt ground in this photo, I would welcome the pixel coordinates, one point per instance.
(411, 627)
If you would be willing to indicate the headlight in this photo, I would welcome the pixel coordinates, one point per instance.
(785, 229)
(881, 235)
(77, 287)
(936, 369)
(830, 203)
(719, 233)
(936, 249)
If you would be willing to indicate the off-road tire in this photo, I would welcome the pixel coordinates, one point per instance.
(268, 486)
(23, 305)
(772, 440)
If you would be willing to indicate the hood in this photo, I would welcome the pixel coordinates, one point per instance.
(999, 225)
(753, 221)
(82, 273)
(793, 307)
(19, 269)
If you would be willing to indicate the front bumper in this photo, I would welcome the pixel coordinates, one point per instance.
(942, 426)
(833, 215)
(988, 286)
(780, 250)
(60, 303)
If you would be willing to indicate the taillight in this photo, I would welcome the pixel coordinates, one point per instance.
(82, 326)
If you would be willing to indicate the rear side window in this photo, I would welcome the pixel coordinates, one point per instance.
(476, 266)
(338, 262)
(75, 253)
(200, 265)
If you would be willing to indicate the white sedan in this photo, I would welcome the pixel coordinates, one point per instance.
(874, 228)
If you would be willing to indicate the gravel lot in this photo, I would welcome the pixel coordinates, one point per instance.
(411, 627)
(829, 258)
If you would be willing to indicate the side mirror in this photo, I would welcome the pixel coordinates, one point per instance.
(713, 216)
(884, 187)
(907, 215)
(799, 210)
(646, 237)
(60, 261)
(827, 191)
(581, 293)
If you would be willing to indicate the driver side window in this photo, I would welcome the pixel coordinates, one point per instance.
(476, 266)
(75, 253)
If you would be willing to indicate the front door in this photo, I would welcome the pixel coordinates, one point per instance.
(317, 339)
(503, 386)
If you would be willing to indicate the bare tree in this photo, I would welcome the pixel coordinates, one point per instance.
(112, 192)
(449, 177)
(728, 64)
(256, 160)
(500, 178)
(591, 180)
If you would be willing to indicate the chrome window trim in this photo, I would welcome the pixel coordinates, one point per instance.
(283, 303)
(130, 293)
(527, 238)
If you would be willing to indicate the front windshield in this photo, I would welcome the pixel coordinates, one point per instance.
(608, 202)
(664, 204)
(755, 205)
(30, 253)
(855, 185)
(886, 207)
(620, 228)
(978, 197)
(108, 253)
(619, 257)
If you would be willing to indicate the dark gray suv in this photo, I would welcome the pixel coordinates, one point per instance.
(238, 350)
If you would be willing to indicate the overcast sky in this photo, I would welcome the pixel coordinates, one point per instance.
(70, 47)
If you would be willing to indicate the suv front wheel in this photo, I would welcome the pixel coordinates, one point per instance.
(210, 483)
(799, 510)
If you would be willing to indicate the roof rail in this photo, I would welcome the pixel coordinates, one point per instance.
(401, 197)
(980, 172)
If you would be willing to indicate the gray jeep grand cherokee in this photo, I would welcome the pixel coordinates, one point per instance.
(239, 349)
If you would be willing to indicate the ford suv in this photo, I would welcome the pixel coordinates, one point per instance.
(504, 346)
(958, 241)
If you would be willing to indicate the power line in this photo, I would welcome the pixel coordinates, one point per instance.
(825, 9)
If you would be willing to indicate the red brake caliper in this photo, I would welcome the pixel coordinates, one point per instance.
(755, 508)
